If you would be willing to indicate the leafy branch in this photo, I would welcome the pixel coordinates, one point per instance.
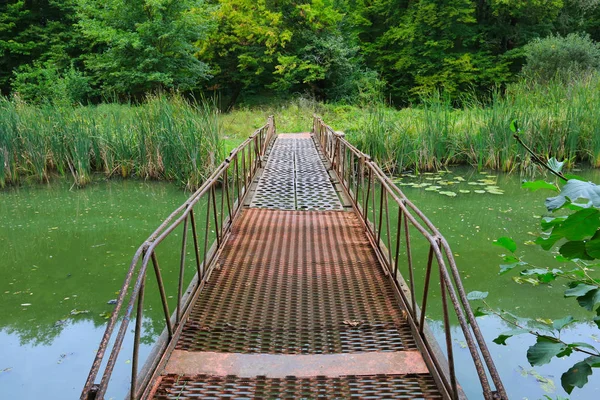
(516, 131)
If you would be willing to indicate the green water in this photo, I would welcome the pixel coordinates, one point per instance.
(65, 251)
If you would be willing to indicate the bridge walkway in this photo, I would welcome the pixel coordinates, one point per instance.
(298, 305)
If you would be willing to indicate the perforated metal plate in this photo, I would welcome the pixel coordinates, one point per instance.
(297, 282)
(295, 178)
(414, 386)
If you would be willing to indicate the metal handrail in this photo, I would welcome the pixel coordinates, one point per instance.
(361, 178)
(234, 177)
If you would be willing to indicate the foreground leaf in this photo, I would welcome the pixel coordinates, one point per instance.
(555, 165)
(575, 189)
(576, 376)
(579, 290)
(537, 185)
(561, 323)
(542, 352)
(579, 225)
(506, 242)
(501, 339)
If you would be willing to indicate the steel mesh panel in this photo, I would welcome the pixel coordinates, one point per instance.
(291, 282)
(295, 178)
(413, 386)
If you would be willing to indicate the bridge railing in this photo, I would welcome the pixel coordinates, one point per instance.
(220, 197)
(396, 227)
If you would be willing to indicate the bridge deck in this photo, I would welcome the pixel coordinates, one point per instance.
(298, 304)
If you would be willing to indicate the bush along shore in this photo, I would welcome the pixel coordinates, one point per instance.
(166, 137)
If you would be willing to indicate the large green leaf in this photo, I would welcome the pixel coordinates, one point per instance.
(550, 222)
(574, 249)
(590, 299)
(542, 352)
(537, 185)
(575, 189)
(507, 243)
(576, 376)
(592, 247)
(579, 225)
(579, 290)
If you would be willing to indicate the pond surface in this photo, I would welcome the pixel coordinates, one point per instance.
(63, 255)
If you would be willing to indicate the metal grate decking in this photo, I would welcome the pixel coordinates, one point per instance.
(298, 305)
(297, 282)
(413, 386)
(295, 177)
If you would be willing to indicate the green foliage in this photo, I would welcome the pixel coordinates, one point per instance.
(573, 191)
(578, 234)
(561, 57)
(142, 45)
(36, 31)
(507, 243)
(164, 138)
(37, 84)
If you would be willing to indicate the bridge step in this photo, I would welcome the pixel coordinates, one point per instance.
(413, 386)
(300, 366)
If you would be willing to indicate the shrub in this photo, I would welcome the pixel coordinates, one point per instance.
(561, 57)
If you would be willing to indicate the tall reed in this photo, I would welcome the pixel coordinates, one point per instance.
(556, 119)
(166, 137)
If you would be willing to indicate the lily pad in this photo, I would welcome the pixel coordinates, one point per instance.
(464, 191)
(460, 178)
(479, 191)
(495, 191)
(448, 193)
(421, 185)
(432, 188)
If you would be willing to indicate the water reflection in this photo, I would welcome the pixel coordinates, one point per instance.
(63, 255)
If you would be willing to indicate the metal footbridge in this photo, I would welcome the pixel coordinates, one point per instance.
(307, 283)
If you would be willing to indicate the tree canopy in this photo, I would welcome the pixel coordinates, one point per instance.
(328, 49)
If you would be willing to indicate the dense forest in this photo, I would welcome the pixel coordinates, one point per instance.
(331, 50)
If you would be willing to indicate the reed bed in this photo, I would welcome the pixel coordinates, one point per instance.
(556, 119)
(166, 137)
(169, 138)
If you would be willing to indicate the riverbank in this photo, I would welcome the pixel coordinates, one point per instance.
(169, 138)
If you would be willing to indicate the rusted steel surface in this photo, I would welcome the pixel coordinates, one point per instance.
(297, 282)
(292, 299)
(386, 213)
(300, 366)
(414, 386)
(233, 177)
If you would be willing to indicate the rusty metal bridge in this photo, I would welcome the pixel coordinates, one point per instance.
(304, 286)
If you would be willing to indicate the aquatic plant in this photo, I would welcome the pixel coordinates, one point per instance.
(166, 137)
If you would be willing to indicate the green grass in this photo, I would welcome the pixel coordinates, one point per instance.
(164, 138)
(557, 120)
(170, 138)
